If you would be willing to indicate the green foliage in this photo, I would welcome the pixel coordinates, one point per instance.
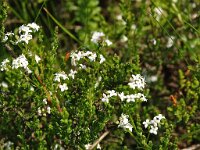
(157, 39)
(3, 15)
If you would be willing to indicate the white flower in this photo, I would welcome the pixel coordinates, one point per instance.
(21, 61)
(154, 41)
(170, 41)
(45, 101)
(140, 96)
(63, 87)
(4, 64)
(31, 88)
(108, 42)
(111, 93)
(124, 123)
(124, 38)
(24, 38)
(153, 123)
(137, 81)
(133, 27)
(92, 57)
(87, 146)
(146, 123)
(97, 37)
(37, 58)
(60, 75)
(122, 96)
(34, 26)
(119, 17)
(130, 98)
(158, 118)
(24, 29)
(102, 59)
(81, 66)
(98, 146)
(5, 38)
(105, 98)
(7, 35)
(154, 130)
(4, 84)
(39, 111)
(72, 73)
(48, 109)
(158, 11)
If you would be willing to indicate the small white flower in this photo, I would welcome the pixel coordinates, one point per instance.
(81, 66)
(34, 26)
(72, 73)
(105, 98)
(7, 35)
(45, 101)
(137, 81)
(37, 58)
(98, 146)
(59, 76)
(4, 64)
(97, 37)
(112, 93)
(92, 57)
(24, 38)
(124, 123)
(158, 11)
(31, 88)
(24, 29)
(170, 41)
(108, 42)
(146, 123)
(28, 70)
(87, 146)
(102, 59)
(39, 112)
(154, 130)
(63, 87)
(48, 109)
(133, 27)
(122, 96)
(124, 38)
(21, 61)
(153, 123)
(154, 41)
(4, 84)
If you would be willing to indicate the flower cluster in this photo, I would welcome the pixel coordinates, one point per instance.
(88, 146)
(124, 122)
(98, 37)
(77, 55)
(7, 35)
(4, 64)
(153, 123)
(21, 61)
(62, 75)
(123, 97)
(136, 81)
(24, 33)
(45, 110)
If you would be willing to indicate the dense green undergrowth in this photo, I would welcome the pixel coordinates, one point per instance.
(99, 74)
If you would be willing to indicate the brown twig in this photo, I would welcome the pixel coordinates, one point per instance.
(99, 140)
(49, 100)
(10, 51)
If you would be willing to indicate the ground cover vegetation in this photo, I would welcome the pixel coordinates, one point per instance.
(95, 74)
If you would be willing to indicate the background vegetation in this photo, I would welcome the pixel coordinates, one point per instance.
(158, 39)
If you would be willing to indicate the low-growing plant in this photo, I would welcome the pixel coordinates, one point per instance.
(118, 75)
